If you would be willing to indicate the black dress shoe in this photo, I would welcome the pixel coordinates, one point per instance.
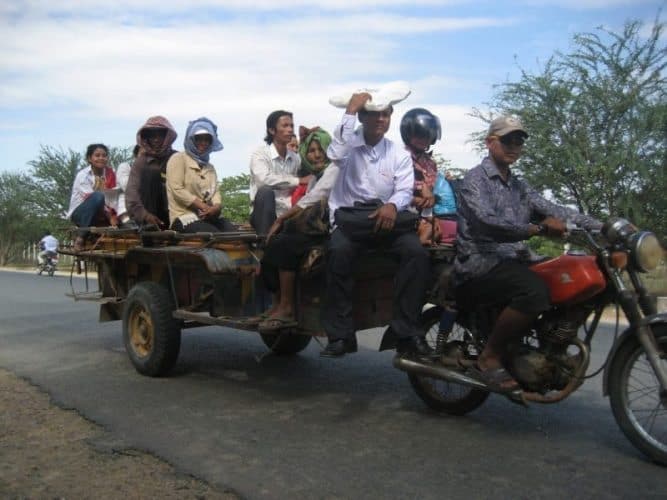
(339, 347)
(413, 345)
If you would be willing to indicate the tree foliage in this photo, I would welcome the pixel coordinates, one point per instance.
(235, 198)
(597, 119)
(19, 219)
(54, 170)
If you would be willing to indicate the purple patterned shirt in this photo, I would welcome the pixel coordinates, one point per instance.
(494, 219)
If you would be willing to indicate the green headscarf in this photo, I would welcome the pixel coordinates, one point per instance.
(324, 139)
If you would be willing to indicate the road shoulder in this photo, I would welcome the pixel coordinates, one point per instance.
(56, 453)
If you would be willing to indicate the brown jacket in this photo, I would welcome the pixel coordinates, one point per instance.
(146, 192)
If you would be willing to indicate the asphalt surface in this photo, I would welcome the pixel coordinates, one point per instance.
(309, 427)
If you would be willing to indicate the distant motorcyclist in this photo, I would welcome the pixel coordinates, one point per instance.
(48, 246)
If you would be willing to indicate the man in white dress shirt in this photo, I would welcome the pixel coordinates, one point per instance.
(372, 167)
(273, 172)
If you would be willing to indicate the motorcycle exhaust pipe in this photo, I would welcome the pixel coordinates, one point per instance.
(436, 371)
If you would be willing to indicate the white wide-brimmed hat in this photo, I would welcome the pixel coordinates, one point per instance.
(381, 97)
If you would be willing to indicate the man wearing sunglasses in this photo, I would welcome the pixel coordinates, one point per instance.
(497, 213)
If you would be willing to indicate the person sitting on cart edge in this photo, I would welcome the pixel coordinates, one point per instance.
(146, 193)
(195, 203)
(496, 210)
(294, 233)
(88, 204)
(273, 172)
(372, 168)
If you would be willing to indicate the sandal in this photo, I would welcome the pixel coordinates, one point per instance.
(496, 379)
(276, 323)
(255, 320)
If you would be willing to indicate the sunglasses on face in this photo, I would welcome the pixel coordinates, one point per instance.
(202, 139)
(154, 133)
(512, 140)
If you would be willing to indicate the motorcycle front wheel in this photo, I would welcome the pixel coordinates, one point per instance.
(634, 393)
(441, 395)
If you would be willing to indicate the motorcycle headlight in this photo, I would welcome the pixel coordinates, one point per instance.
(645, 250)
(644, 247)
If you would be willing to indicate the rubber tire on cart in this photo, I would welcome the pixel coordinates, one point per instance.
(285, 344)
(441, 395)
(635, 397)
(151, 335)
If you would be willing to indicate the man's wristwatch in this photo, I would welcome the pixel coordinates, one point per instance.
(542, 229)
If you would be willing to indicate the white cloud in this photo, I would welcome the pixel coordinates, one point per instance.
(235, 72)
(585, 4)
(126, 8)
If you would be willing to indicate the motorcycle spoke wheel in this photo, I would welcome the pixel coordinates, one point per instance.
(441, 395)
(636, 400)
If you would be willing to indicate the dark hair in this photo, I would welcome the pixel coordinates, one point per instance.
(272, 121)
(92, 147)
(136, 150)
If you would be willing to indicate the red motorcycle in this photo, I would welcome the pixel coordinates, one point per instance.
(551, 361)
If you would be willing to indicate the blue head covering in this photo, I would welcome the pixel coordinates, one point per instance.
(189, 143)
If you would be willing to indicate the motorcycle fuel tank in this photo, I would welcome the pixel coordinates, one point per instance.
(571, 278)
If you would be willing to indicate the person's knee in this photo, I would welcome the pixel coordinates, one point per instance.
(265, 195)
(411, 248)
(339, 244)
(96, 199)
(533, 300)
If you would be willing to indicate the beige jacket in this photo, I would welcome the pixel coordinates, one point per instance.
(186, 181)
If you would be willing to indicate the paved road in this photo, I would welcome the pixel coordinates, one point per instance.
(306, 427)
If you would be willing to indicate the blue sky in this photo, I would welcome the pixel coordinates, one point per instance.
(74, 72)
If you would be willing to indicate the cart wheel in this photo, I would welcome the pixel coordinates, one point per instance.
(285, 343)
(151, 335)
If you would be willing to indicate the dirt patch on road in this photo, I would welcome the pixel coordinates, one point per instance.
(49, 452)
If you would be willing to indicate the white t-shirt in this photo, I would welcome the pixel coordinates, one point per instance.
(49, 243)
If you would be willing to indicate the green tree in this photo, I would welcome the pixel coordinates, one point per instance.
(235, 199)
(19, 214)
(55, 169)
(597, 118)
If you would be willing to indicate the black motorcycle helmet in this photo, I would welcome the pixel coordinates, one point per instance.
(420, 122)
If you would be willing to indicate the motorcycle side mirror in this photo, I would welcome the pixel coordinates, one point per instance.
(618, 230)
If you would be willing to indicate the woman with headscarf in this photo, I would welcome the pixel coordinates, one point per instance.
(146, 194)
(192, 183)
(295, 232)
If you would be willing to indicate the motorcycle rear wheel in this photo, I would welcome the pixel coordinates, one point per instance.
(441, 395)
(634, 394)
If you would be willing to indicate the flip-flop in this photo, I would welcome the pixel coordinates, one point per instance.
(276, 323)
(255, 320)
(496, 379)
